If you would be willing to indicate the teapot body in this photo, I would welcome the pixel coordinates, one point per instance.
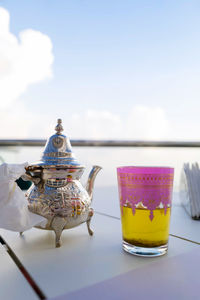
(67, 200)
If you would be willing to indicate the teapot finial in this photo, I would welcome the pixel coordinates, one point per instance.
(59, 127)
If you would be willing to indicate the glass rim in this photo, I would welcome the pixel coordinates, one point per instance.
(163, 167)
(146, 169)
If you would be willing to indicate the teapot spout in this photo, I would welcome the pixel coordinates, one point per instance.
(91, 178)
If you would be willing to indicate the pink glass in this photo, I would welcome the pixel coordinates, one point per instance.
(147, 188)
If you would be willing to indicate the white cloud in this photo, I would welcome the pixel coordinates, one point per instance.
(95, 125)
(142, 122)
(23, 61)
(147, 123)
(18, 122)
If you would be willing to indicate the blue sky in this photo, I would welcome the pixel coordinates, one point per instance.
(136, 60)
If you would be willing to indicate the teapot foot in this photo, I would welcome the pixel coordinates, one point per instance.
(91, 213)
(58, 244)
(57, 225)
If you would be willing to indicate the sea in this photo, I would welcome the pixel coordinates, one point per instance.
(109, 158)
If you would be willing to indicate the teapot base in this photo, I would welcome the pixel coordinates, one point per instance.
(58, 224)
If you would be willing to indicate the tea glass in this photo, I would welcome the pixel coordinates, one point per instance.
(145, 195)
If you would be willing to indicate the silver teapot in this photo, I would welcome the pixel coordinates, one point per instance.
(57, 193)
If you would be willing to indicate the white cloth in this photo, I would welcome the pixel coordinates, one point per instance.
(14, 213)
(190, 189)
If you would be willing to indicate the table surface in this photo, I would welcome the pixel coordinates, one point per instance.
(13, 285)
(84, 261)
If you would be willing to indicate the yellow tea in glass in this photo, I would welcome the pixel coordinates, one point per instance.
(145, 201)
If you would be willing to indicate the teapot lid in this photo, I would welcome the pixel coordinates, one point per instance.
(57, 152)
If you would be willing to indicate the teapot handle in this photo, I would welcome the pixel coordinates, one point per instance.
(27, 176)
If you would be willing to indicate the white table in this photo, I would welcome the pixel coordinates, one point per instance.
(13, 285)
(82, 260)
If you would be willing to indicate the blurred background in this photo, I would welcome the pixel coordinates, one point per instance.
(120, 70)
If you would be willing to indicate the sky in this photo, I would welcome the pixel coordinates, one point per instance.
(110, 69)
